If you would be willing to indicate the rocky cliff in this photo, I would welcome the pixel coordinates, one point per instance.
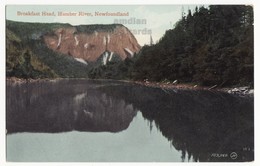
(82, 43)
(69, 51)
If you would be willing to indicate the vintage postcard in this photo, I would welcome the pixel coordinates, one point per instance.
(129, 83)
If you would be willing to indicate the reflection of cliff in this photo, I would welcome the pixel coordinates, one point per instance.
(64, 106)
(202, 124)
(97, 111)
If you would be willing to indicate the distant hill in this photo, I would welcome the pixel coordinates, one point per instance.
(66, 50)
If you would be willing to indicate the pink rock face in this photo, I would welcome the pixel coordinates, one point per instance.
(89, 46)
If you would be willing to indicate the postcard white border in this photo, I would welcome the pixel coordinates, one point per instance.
(3, 3)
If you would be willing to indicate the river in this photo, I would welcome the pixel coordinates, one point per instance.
(103, 121)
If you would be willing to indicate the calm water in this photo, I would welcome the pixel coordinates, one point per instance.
(88, 120)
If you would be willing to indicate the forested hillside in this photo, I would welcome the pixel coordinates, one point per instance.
(22, 62)
(212, 46)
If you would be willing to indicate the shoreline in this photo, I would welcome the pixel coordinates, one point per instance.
(238, 90)
(23, 80)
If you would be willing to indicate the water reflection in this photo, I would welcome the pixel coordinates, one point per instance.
(65, 106)
(203, 125)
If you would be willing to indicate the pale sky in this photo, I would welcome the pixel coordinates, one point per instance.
(158, 17)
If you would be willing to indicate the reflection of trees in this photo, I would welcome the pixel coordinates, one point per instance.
(65, 106)
(198, 123)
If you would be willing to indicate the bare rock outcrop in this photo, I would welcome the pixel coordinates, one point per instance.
(88, 44)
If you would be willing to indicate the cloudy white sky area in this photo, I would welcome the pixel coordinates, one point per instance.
(156, 18)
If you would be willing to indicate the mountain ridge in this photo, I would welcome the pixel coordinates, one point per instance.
(71, 51)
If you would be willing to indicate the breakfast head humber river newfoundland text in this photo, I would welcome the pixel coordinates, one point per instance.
(80, 13)
(119, 18)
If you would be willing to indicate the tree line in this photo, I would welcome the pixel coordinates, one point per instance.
(209, 46)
